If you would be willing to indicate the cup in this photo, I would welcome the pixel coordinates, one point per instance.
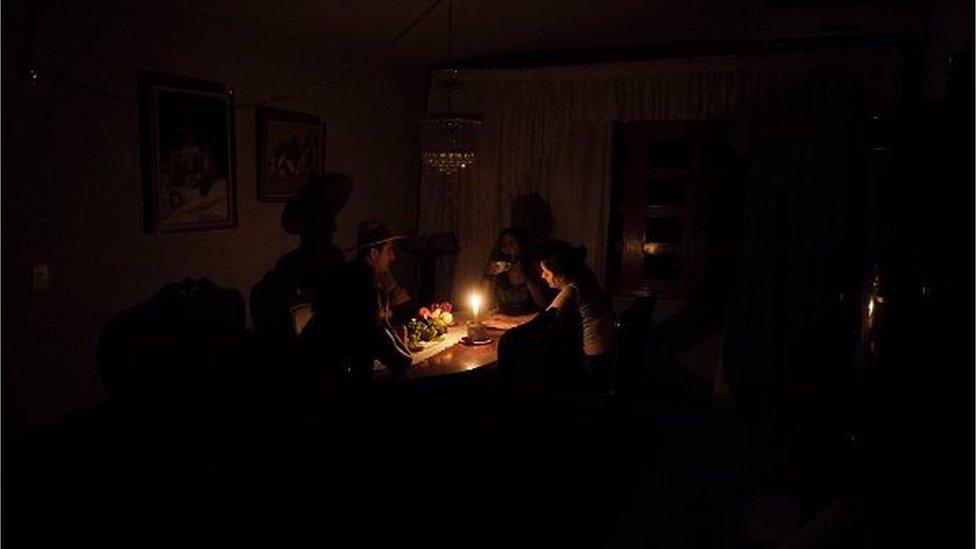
(498, 267)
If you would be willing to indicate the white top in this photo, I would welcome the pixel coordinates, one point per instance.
(595, 314)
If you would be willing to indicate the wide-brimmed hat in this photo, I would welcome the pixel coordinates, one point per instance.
(322, 197)
(373, 232)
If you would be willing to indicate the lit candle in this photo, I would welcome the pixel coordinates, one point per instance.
(475, 301)
(476, 330)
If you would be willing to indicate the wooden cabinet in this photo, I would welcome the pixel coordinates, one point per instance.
(676, 201)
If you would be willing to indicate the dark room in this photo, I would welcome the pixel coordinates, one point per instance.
(472, 273)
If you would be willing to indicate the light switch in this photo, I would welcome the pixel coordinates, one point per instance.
(40, 278)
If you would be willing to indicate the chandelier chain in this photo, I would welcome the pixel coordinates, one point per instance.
(448, 141)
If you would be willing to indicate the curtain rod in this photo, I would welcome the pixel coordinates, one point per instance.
(645, 52)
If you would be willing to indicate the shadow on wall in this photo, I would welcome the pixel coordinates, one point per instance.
(281, 301)
(533, 214)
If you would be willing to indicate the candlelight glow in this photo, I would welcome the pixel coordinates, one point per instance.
(475, 301)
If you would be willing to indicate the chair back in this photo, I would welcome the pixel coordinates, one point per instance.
(171, 358)
(637, 318)
(633, 327)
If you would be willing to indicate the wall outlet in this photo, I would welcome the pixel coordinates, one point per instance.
(41, 278)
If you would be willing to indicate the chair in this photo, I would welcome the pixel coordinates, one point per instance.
(633, 328)
(276, 312)
(301, 313)
(168, 362)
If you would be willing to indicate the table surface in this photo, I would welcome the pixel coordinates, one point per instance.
(457, 358)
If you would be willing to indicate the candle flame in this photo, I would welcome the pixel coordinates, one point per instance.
(475, 301)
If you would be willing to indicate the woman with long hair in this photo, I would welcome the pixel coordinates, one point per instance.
(582, 307)
(513, 278)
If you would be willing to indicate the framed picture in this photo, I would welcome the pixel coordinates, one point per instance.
(289, 152)
(187, 140)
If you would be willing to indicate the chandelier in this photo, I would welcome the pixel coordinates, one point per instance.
(447, 139)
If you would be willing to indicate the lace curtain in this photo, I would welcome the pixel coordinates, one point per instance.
(547, 134)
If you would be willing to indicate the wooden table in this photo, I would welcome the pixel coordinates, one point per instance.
(458, 358)
(453, 357)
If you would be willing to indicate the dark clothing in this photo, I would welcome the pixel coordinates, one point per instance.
(399, 314)
(349, 329)
(511, 299)
(546, 356)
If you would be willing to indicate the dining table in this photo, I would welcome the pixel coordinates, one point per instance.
(451, 354)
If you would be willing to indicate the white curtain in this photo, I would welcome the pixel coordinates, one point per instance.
(547, 132)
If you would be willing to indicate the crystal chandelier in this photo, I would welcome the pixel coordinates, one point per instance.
(448, 142)
(447, 139)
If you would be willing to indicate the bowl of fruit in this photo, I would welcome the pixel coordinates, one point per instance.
(430, 325)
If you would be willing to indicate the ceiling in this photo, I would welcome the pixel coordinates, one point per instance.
(491, 27)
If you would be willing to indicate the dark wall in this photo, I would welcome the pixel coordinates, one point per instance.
(72, 195)
(71, 177)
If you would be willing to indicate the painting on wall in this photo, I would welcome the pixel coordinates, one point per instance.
(289, 152)
(187, 138)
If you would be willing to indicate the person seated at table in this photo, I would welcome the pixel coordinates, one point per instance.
(353, 321)
(582, 308)
(512, 278)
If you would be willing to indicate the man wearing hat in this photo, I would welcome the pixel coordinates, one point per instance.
(374, 246)
(355, 316)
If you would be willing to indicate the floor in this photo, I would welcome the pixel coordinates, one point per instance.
(441, 463)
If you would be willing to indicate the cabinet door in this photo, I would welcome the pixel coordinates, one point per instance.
(659, 172)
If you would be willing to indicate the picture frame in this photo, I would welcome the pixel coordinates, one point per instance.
(290, 150)
(188, 154)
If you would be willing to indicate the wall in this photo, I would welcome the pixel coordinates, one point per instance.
(72, 190)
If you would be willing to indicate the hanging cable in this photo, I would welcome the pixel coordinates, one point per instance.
(393, 41)
(314, 87)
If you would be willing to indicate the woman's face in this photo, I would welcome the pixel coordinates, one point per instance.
(509, 246)
(552, 279)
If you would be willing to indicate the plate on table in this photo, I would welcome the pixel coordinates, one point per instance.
(475, 342)
(420, 345)
(503, 322)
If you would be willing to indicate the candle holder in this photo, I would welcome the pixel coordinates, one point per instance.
(477, 334)
(477, 331)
